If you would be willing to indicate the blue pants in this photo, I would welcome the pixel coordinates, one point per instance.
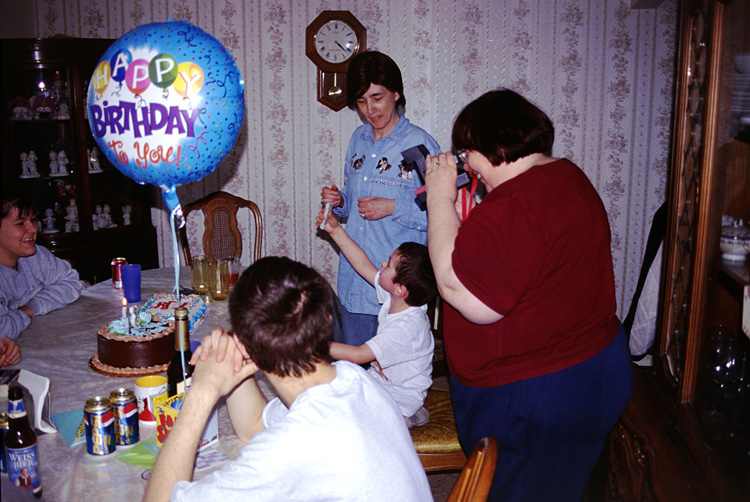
(550, 429)
(356, 329)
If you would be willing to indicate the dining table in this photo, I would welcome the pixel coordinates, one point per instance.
(59, 346)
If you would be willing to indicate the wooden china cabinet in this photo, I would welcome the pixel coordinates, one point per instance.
(685, 435)
(43, 86)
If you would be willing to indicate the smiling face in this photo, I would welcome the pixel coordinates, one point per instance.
(17, 237)
(378, 106)
(388, 272)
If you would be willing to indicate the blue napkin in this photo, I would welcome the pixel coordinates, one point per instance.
(70, 425)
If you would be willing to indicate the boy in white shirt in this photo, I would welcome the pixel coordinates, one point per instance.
(400, 355)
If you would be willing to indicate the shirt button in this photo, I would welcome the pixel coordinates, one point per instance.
(373, 155)
(365, 178)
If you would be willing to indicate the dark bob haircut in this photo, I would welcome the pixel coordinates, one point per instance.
(504, 127)
(372, 67)
(281, 311)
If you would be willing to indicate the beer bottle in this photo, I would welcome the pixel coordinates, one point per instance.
(175, 377)
(20, 446)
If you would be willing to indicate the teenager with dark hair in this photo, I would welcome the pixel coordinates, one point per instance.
(32, 280)
(331, 434)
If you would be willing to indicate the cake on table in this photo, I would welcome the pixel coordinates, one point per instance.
(144, 344)
(127, 349)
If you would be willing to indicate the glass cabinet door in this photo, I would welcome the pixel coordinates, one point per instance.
(40, 148)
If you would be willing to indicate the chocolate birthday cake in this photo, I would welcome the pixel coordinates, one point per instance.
(126, 349)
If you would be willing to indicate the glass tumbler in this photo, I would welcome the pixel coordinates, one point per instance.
(219, 283)
(234, 271)
(200, 275)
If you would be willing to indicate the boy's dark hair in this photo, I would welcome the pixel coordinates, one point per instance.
(372, 67)
(414, 271)
(504, 127)
(23, 205)
(281, 311)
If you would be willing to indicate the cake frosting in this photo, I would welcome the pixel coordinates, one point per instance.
(125, 349)
(163, 305)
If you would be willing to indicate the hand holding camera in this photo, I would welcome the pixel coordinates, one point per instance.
(415, 158)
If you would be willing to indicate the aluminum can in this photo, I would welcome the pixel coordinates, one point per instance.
(4, 425)
(117, 273)
(126, 416)
(100, 426)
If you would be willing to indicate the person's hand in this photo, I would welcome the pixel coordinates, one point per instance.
(9, 352)
(332, 195)
(218, 345)
(331, 223)
(220, 364)
(374, 208)
(27, 310)
(440, 177)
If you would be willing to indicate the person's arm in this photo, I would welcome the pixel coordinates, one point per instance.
(442, 230)
(355, 254)
(9, 352)
(61, 284)
(357, 354)
(211, 380)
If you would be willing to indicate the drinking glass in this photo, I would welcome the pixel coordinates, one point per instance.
(234, 271)
(200, 275)
(219, 279)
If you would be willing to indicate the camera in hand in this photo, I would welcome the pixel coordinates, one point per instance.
(415, 159)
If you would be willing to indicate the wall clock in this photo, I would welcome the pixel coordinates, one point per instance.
(331, 41)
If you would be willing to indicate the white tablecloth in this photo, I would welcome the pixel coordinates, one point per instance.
(58, 346)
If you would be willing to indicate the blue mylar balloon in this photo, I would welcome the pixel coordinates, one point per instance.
(180, 111)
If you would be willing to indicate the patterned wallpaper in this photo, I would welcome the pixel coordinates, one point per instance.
(602, 71)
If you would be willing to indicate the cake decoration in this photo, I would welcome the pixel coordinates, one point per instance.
(163, 305)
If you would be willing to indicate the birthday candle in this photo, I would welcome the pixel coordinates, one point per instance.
(125, 315)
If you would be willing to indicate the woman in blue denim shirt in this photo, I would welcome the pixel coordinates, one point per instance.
(378, 194)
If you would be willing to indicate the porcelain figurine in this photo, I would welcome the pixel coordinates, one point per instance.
(49, 222)
(98, 217)
(62, 163)
(71, 217)
(24, 165)
(32, 158)
(94, 166)
(63, 110)
(107, 218)
(54, 167)
(127, 211)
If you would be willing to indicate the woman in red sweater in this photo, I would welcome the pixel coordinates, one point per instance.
(537, 356)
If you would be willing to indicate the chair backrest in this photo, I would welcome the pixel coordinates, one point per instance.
(221, 235)
(475, 480)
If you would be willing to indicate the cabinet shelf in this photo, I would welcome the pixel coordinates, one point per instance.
(64, 66)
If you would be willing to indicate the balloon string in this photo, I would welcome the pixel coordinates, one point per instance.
(176, 256)
(175, 253)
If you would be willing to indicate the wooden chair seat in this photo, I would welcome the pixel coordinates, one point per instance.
(437, 441)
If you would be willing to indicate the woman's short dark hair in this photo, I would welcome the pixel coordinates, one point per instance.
(504, 127)
(23, 205)
(281, 311)
(372, 67)
(414, 271)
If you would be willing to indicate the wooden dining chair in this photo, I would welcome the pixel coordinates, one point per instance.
(475, 481)
(436, 441)
(221, 234)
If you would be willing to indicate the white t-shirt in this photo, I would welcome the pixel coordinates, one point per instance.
(341, 441)
(403, 349)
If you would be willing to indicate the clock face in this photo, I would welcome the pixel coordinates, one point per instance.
(336, 41)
